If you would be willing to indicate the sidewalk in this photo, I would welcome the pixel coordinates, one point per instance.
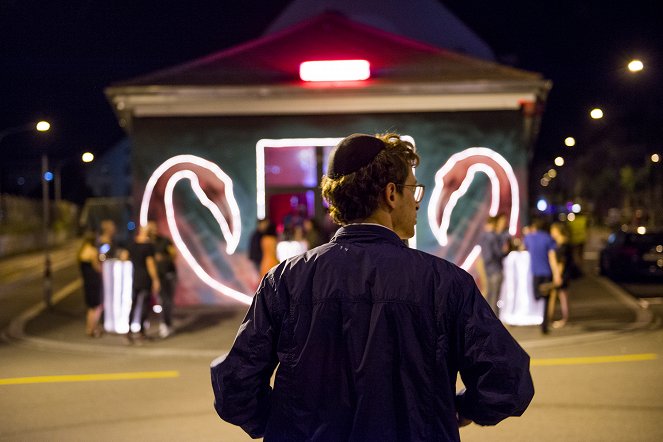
(598, 308)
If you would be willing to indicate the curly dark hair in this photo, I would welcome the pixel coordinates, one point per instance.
(354, 197)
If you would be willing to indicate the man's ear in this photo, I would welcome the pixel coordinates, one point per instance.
(390, 195)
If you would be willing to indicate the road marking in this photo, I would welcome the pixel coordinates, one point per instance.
(91, 377)
(595, 359)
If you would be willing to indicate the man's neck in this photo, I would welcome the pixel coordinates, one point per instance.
(378, 217)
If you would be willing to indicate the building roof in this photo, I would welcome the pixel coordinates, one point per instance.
(427, 21)
(267, 70)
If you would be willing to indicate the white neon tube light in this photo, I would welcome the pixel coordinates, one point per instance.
(231, 231)
(483, 160)
(231, 235)
(181, 245)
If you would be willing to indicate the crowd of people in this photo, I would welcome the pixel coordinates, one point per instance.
(152, 256)
(268, 246)
(553, 264)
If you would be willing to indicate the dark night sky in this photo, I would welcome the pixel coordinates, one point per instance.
(57, 57)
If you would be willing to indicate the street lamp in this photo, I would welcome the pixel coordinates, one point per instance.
(570, 141)
(596, 113)
(635, 66)
(44, 126)
(41, 126)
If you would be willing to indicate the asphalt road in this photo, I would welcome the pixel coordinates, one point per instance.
(606, 388)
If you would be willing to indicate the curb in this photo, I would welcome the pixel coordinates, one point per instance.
(643, 319)
(15, 332)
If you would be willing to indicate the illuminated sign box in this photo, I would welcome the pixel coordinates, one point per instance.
(335, 70)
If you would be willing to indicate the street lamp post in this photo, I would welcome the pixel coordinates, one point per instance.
(41, 126)
(46, 217)
(44, 126)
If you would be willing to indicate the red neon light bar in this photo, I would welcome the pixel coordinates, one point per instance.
(335, 70)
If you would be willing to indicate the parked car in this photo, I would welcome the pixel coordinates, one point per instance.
(633, 255)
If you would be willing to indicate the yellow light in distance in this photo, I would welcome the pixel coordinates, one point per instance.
(570, 141)
(596, 113)
(559, 161)
(43, 126)
(87, 157)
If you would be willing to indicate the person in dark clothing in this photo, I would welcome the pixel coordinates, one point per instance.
(90, 268)
(370, 335)
(494, 248)
(145, 282)
(564, 252)
(255, 249)
(164, 256)
(544, 266)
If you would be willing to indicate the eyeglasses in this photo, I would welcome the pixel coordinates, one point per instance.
(419, 190)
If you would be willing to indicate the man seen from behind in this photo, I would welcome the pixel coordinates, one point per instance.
(370, 335)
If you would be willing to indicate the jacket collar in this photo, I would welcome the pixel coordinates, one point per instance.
(367, 233)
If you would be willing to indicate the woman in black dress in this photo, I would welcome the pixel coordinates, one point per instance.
(560, 234)
(90, 267)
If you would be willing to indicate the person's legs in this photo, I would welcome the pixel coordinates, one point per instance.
(92, 326)
(167, 294)
(549, 312)
(564, 306)
(145, 299)
(138, 312)
(494, 287)
(546, 296)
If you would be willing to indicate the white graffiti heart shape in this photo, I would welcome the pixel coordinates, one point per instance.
(223, 208)
(453, 180)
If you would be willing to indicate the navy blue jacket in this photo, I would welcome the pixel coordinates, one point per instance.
(369, 336)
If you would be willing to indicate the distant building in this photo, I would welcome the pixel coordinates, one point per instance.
(110, 174)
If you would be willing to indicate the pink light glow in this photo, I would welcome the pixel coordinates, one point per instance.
(335, 70)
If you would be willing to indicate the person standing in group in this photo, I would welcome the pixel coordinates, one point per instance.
(164, 256)
(577, 228)
(145, 282)
(369, 335)
(312, 233)
(494, 247)
(564, 253)
(545, 269)
(268, 242)
(90, 268)
(255, 248)
(107, 241)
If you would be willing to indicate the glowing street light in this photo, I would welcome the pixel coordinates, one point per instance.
(559, 161)
(87, 157)
(569, 141)
(596, 113)
(635, 66)
(655, 158)
(43, 126)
